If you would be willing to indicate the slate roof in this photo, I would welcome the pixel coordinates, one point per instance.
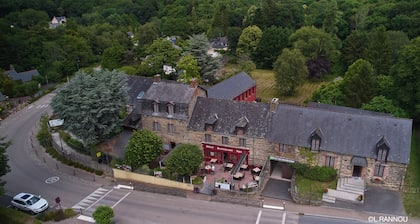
(219, 43)
(343, 132)
(137, 86)
(345, 109)
(25, 76)
(230, 114)
(231, 87)
(170, 91)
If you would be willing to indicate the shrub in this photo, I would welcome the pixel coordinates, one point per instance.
(197, 181)
(103, 215)
(318, 173)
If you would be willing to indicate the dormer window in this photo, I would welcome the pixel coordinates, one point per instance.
(209, 127)
(382, 148)
(316, 138)
(241, 125)
(170, 108)
(210, 123)
(155, 106)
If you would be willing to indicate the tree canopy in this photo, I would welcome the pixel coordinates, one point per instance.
(359, 84)
(91, 104)
(185, 159)
(198, 46)
(289, 70)
(143, 147)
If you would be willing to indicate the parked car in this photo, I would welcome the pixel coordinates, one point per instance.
(29, 203)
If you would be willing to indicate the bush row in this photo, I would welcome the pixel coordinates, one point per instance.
(73, 143)
(57, 215)
(44, 138)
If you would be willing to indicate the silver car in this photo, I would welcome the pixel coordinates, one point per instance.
(30, 203)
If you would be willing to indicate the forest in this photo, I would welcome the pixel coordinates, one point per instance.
(368, 51)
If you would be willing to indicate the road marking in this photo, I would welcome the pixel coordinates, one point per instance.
(51, 180)
(119, 186)
(283, 221)
(121, 199)
(91, 198)
(100, 199)
(258, 217)
(86, 218)
(273, 207)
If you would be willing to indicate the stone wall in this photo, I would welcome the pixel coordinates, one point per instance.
(259, 148)
(180, 128)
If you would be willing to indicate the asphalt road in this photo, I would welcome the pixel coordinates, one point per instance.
(28, 173)
(308, 219)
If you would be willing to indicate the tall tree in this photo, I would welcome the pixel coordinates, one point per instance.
(249, 40)
(407, 80)
(360, 84)
(329, 93)
(4, 167)
(161, 52)
(185, 160)
(143, 147)
(198, 46)
(290, 71)
(384, 105)
(313, 42)
(318, 46)
(379, 51)
(189, 67)
(91, 104)
(112, 57)
(354, 46)
(273, 40)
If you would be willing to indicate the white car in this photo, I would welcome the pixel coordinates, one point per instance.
(30, 203)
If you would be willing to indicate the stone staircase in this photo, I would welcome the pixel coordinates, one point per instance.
(348, 189)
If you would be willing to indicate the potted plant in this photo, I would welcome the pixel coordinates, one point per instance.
(360, 198)
(325, 190)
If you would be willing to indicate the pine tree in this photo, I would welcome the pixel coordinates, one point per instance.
(91, 104)
(198, 47)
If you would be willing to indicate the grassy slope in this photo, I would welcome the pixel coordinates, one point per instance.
(12, 216)
(411, 194)
(266, 88)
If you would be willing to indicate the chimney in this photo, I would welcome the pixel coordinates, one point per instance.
(194, 83)
(156, 78)
(273, 104)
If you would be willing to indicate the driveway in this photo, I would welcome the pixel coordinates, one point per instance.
(278, 189)
(377, 200)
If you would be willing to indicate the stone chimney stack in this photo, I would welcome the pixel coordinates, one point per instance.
(194, 83)
(156, 78)
(274, 103)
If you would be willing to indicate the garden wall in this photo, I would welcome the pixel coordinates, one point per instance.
(121, 174)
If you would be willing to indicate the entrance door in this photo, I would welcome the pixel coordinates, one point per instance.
(357, 171)
(286, 171)
(225, 157)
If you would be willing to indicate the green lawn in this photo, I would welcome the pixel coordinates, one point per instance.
(411, 192)
(311, 189)
(266, 88)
